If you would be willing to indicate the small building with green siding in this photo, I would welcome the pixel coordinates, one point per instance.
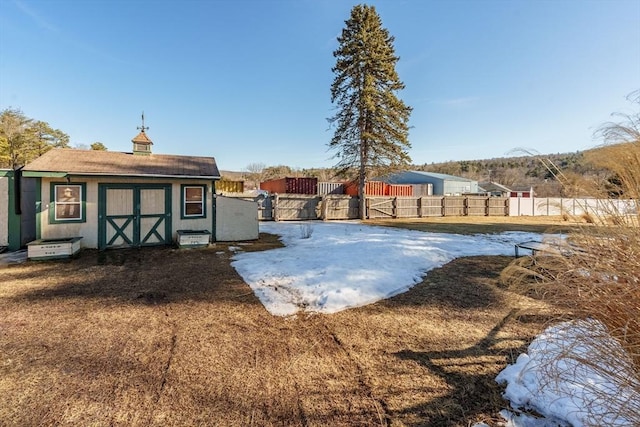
(9, 220)
(118, 199)
(17, 222)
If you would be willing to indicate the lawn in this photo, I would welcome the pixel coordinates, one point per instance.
(175, 337)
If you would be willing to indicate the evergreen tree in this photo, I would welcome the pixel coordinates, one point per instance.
(42, 138)
(98, 146)
(14, 127)
(371, 122)
(22, 139)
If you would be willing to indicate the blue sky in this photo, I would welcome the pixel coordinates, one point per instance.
(249, 81)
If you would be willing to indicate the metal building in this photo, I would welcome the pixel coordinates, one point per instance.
(443, 185)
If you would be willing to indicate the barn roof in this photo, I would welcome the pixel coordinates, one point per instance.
(66, 161)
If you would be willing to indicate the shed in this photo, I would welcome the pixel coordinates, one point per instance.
(443, 185)
(522, 191)
(494, 189)
(121, 199)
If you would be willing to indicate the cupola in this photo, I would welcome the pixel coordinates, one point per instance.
(141, 143)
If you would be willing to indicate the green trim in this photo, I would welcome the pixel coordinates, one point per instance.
(154, 231)
(120, 231)
(183, 215)
(52, 203)
(38, 208)
(102, 203)
(34, 174)
(13, 219)
(213, 211)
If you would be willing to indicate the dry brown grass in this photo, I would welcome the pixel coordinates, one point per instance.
(159, 337)
(483, 224)
(600, 278)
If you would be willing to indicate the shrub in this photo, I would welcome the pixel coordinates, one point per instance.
(306, 230)
(599, 278)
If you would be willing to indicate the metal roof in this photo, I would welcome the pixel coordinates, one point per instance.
(441, 176)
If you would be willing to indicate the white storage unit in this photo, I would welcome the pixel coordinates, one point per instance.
(42, 249)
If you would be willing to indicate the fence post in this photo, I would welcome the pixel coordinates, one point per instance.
(276, 211)
(420, 204)
(367, 203)
(394, 207)
(324, 208)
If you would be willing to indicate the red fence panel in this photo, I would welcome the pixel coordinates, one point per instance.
(371, 188)
(398, 190)
(291, 185)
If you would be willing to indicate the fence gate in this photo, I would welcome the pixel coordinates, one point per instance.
(380, 208)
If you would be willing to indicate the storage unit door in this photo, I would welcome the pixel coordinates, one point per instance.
(154, 216)
(134, 215)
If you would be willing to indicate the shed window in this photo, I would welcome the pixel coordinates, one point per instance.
(193, 201)
(67, 203)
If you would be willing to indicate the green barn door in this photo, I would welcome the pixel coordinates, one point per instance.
(134, 215)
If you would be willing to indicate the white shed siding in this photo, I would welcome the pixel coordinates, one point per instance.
(88, 230)
(236, 219)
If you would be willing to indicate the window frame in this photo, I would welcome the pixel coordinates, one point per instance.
(54, 203)
(184, 201)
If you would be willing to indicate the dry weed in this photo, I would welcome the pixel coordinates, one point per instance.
(600, 278)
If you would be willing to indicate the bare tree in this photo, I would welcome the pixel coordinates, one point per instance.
(255, 173)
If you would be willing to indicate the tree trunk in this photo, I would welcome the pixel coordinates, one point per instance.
(362, 176)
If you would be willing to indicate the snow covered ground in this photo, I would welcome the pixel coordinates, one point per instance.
(330, 266)
(326, 267)
(574, 374)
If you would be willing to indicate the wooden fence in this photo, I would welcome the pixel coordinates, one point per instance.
(427, 206)
(283, 207)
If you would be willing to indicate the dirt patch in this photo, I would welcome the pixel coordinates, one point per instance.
(158, 337)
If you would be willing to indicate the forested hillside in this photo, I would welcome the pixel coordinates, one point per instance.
(550, 175)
